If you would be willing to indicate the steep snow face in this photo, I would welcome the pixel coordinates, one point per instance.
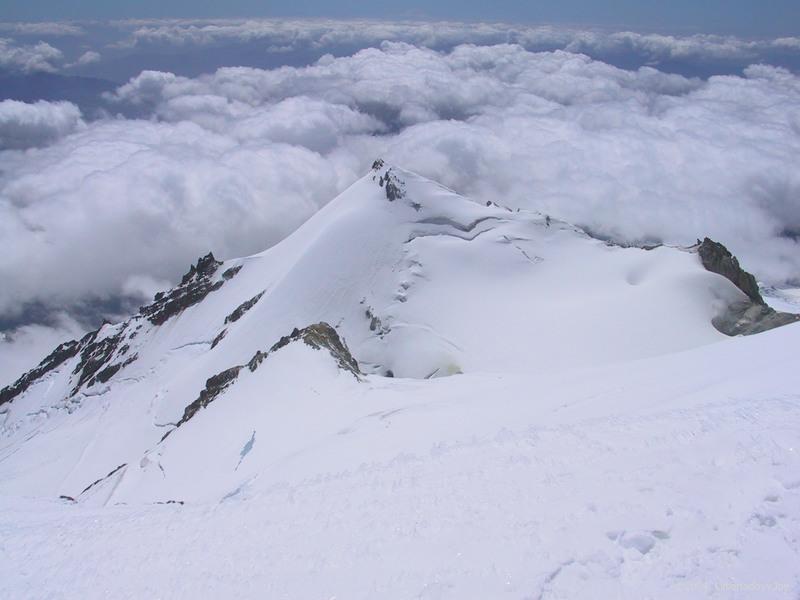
(418, 283)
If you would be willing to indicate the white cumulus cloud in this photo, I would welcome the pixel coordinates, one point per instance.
(292, 34)
(24, 125)
(28, 57)
(87, 58)
(43, 28)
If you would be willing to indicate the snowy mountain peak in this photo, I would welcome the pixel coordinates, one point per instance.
(395, 283)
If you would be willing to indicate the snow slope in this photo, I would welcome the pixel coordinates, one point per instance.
(563, 421)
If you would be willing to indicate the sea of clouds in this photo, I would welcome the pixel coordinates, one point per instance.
(107, 211)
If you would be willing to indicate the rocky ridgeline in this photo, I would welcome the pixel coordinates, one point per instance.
(52, 361)
(320, 336)
(103, 352)
(194, 287)
(100, 359)
(718, 259)
(392, 185)
(239, 311)
(748, 316)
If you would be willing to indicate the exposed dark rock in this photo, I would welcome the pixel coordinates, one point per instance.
(745, 317)
(94, 483)
(219, 338)
(717, 259)
(107, 373)
(318, 336)
(67, 498)
(257, 359)
(95, 356)
(230, 273)
(243, 308)
(375, 323)
(52, 361)
(215, 385)
(206, 266)
(378, 164)
(392, 185)
(195, 285)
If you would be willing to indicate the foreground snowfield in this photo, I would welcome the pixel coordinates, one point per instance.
(564, 422)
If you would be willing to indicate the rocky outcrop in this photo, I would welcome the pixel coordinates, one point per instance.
(95, 358)
(745, 317)
(394, 187)
(215, 385)
(96, 361)
(243, 308)
(319, 336)
(102, 357)
(322, 336)
(52, 361)
(195, 285)
(718, 259)
(102, 479)
(220, 336)
(229, 274)
(748, 318)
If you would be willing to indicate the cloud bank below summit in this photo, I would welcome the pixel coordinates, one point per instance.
(290, 35)
(194, 46)
(235, 160)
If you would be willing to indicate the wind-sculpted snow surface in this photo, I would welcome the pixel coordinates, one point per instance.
(414, 395)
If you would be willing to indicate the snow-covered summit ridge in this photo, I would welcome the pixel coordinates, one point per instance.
(359, 242)
(407, 280)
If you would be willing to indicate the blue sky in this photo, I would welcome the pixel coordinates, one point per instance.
(743, 17)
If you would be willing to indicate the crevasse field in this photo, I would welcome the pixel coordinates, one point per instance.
(535, 413)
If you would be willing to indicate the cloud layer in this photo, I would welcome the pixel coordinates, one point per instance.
(294, 34)
(637, 155)
(28, 57)
(189, 46)
(236, 160)
(24, 125)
